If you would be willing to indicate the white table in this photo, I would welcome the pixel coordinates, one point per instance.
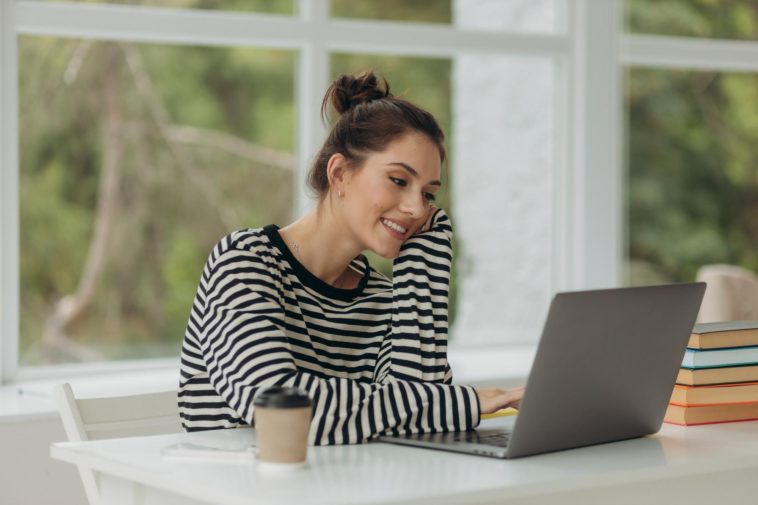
(705, 464)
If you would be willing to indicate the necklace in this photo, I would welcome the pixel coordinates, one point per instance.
(339, 282)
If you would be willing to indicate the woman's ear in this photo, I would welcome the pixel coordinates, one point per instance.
(337, 172)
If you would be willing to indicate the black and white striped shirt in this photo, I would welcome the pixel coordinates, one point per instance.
(373, 359)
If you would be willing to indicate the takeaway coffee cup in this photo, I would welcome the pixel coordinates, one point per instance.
(282, 421)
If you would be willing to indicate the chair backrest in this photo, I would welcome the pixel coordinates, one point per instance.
(114, 417)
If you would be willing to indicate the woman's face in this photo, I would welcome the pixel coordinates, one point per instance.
(388, 198)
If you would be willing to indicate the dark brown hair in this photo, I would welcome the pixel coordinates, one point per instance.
(370, 118)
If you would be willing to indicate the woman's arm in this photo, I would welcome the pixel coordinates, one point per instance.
(416, 348)
(245, 349)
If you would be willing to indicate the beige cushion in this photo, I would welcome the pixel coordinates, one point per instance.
(732, 294)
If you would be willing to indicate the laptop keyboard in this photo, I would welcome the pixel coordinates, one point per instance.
(497, 439)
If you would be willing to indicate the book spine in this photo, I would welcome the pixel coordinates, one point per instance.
(710, 422)
(712, 404)
(718, 358)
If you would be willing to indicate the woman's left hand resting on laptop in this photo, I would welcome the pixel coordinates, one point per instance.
(493, 399)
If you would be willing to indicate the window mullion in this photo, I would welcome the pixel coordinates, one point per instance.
(598, 201)
(685, 53)
(312, 79)
(9, 198)
(160, 25)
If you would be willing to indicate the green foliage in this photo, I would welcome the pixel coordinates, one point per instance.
(428, 11)
(261, 6)
(183, 266)
(243, 91)
(728, 19)
(693, 172)
(175, 199)
(692, 164)
(55, 228)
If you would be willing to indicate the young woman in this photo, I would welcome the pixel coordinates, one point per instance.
(301, 306)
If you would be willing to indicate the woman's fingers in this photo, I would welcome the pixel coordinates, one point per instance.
(493, 399)
(428, 221)
(514, 397)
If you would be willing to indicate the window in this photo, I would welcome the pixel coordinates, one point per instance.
(147, 130)
(219, 100)
(692, 104)
(134, 160)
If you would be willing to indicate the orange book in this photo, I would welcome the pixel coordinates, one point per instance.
(709, 414)
(715, 395)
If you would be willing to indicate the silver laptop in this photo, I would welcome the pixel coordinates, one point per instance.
(604, 371)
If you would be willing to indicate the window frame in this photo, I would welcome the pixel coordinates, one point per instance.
(588, 238)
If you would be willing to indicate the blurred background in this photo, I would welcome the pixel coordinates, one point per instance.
(135, 158)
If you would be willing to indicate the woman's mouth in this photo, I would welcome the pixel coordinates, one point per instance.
(394, 229)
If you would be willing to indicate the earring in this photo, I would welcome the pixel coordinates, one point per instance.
(339, 194)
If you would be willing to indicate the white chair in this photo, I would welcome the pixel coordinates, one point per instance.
(114, 417)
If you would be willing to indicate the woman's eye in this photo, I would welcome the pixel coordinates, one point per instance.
(429, 197)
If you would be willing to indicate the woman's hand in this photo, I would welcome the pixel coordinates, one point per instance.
(493, 399)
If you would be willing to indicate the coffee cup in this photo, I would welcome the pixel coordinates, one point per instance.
(282, 423)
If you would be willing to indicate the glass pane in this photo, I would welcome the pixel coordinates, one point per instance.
(531, 16)
(259, 6)
(425, 11)
(693, 173)
(721, 19)
(503, 145)
(135, 160)
(510, 15)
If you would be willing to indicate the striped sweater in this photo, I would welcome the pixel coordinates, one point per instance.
(373, 359)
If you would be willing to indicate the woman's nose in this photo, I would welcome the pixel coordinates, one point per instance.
(414, 206)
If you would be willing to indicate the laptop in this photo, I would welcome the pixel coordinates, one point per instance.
(604, 371)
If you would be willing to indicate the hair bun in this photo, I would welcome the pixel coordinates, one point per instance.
(347, 91)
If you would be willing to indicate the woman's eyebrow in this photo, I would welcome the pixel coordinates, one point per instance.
(412, 171)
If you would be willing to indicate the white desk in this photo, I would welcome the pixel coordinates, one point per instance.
(707, 464)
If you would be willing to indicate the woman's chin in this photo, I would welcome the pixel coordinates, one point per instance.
(390, 255)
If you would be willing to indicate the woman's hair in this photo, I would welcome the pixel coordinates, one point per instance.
(370, 118)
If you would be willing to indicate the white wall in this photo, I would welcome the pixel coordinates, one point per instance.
(28, 476)
(504, 164)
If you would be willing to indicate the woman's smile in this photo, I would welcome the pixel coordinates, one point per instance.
(394, 229)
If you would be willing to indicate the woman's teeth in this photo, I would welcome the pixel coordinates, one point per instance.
(394, 226)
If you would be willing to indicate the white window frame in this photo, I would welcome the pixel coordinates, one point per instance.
(588, 171)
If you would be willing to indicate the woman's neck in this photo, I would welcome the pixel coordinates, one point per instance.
(321, 242)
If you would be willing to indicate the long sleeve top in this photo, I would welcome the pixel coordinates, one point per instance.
(373, 359)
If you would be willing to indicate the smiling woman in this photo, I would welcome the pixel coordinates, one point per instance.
(381, 197)
(301, 306)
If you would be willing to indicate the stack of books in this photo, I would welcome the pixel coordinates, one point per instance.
(718, 380)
